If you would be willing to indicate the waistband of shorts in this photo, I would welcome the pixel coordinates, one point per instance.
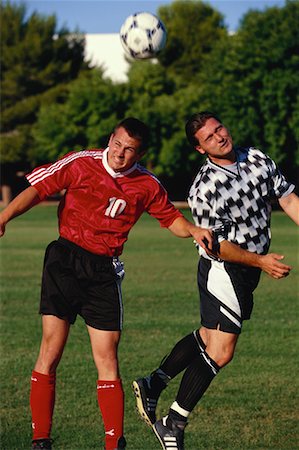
(81, 251)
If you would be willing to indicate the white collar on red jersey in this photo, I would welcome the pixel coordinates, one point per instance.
(111, 171)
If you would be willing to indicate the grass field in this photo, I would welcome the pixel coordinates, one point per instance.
(252, 403)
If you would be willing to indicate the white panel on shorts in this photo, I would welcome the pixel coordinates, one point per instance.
(120, 299)
(230, 317)
(120, 272)
(220, 285)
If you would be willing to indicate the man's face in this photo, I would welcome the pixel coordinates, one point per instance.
(215, 141)
(123, 151)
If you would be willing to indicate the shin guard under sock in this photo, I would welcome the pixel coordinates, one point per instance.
(196, 381)
(42, 400)
(111, 403)
(183, 354)
(179, 358)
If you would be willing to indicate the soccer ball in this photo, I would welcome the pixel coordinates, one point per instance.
(143, 35)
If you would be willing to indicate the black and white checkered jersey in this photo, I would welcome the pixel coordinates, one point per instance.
(237, 206)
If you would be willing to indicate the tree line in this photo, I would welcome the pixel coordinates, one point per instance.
(54, 101)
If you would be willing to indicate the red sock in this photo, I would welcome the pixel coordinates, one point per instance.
(111, 403)
(42, 399)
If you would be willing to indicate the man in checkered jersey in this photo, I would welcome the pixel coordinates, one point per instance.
(231, 195)
(106, 191)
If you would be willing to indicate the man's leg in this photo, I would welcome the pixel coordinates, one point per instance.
(42, 394)
(148, 389)
(196, 380)
(109, 387)
(200, 373)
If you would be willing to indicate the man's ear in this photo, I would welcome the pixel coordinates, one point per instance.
(199, 149)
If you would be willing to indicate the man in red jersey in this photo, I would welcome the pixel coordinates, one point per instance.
(106, 191)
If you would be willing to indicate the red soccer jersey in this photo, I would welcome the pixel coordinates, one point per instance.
(100, 206)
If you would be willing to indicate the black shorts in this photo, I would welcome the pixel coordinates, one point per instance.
(226, 294)
(76, 281)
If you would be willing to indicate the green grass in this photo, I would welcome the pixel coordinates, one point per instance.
(252, 404)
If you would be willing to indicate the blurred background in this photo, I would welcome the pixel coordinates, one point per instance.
(65, 82)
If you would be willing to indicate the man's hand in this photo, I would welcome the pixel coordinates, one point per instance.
(271, 264)
(181, 227)
(2, 226)
(21, 203)
(203, 237)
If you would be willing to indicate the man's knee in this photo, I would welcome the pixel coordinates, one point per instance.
(48, 359)
(221, 346)
(224, 357)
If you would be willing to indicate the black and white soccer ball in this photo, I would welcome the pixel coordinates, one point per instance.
(143, 35)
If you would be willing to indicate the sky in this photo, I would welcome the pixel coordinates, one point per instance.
(107, 16)
(101, 21)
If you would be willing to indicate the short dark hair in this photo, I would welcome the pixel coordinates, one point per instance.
(137, 130)
(196, 122)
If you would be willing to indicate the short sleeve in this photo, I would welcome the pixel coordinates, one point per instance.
(52, 178)
(280, 186)
(161, 207)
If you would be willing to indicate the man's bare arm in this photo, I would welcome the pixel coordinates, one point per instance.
(270, 263)
(290, 205)
(22, 203)
(181, 227)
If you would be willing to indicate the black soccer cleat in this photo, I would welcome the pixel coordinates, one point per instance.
(121, 443)
(145, 403)
(170, 437)
(45, 444)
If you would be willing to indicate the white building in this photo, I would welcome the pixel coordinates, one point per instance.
(105, 50)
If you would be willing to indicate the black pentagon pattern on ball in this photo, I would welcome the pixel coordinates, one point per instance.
(161, 25)
(139, 48)
(124, 37)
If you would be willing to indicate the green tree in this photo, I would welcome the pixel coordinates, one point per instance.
(193, 29)
(149, 82)
(85, 120)
(156, 99)
(251, 80)
(37, 62)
